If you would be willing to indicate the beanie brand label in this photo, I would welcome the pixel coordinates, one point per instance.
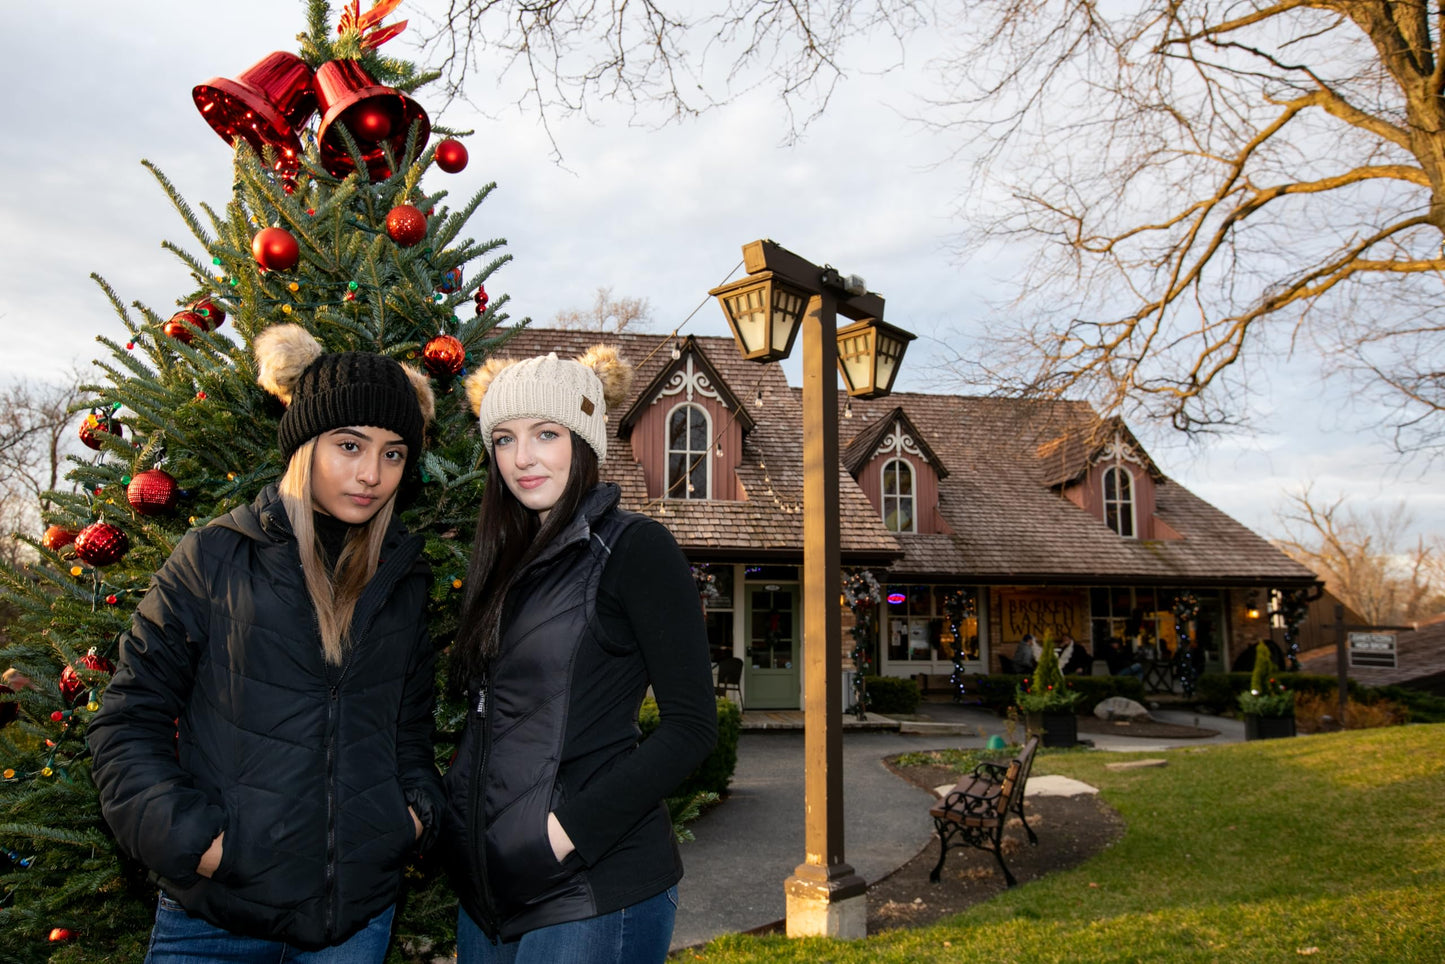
(587, 406)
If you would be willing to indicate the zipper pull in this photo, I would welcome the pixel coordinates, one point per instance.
(482, 699)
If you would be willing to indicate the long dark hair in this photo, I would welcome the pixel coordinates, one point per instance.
(508, 538)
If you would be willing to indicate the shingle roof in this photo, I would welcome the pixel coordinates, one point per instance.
(1005, 459)
(1419, 656)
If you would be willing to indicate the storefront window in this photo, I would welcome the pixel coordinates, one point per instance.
(916, 624)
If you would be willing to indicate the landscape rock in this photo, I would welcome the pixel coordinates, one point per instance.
(1120, 708)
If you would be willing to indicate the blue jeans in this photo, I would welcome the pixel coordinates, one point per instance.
(639, 934)
(179, 938)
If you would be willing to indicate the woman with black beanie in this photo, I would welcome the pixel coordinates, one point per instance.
(264, 748)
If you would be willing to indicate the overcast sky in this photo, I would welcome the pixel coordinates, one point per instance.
(656, 213)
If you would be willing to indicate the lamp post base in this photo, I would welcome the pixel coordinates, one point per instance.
(827, 902)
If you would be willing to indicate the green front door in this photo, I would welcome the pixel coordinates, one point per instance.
(771, 665)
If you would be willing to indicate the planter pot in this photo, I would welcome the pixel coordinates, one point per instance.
(1267, 727)
(1056, 729)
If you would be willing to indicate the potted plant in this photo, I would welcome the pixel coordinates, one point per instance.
(1268, 707)
(1047, 702)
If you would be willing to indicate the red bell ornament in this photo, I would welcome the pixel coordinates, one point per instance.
(212, 314)
(152, 492)
(451, 156)
(378, 118)
(57, 538)
(444, 356)
(275, 249)
(72, 686)
(101, 544)
(182, 326)
(405, 225)
(267, 104)
(94, 426)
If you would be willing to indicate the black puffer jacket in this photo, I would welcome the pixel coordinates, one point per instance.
(308, 768)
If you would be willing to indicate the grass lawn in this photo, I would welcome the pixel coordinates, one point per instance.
(1322, 848)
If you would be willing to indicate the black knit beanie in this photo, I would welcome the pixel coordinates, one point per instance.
(352, 388)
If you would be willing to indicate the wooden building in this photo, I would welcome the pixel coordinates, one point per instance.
(1041, 517)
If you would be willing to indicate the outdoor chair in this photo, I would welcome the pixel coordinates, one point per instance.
(729, 677)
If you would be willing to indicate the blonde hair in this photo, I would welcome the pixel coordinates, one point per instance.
(333, 596)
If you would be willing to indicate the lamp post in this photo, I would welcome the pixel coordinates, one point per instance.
(782, 295)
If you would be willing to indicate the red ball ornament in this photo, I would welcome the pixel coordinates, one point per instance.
(451, 156)
(482, 299)
(181, 325)
(212, 314)
(275, 249)
(101, 544)
(406, 225)
(71, 685)
(152, 492)
(57, 538)
(96, 424)
(444, 356)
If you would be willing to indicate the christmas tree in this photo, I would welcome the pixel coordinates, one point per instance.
(328, 225)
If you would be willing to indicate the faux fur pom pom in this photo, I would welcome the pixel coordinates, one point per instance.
(282, 353)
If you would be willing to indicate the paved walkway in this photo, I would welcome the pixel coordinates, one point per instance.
(746, 847)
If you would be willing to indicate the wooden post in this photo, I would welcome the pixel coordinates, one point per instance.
(1342, 661)
(825, 897)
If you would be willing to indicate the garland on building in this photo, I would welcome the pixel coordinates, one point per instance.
(862, 594)
(1186, 610)
(958, 606)
(1294, 606)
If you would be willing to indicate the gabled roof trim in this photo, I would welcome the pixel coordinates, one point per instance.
(1111, 442)
(690, 372)
(869, 443)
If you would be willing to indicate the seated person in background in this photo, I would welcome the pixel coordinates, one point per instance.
(1121, 661)
(1027, 653)
(1074, 658)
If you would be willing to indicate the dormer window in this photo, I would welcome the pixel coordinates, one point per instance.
(1119, 500)
(688, 432)
(898, 496)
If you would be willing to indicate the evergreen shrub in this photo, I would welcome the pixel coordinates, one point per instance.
(714, 773)
(893, 694)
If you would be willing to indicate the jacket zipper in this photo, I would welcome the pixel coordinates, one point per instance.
(475, 831)
(381, 581)
(331, 704)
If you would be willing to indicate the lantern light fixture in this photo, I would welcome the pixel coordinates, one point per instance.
(764, 312)
(869, 353)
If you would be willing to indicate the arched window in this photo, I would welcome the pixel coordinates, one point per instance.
(688, 431)
(898, 514)
(1119, 500)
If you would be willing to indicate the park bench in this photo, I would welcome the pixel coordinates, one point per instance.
(975, 811)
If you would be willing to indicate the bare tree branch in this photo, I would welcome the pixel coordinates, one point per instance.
(1201, 182)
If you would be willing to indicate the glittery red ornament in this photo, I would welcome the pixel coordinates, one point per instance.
(451, 156)
(406, 225)
(57, 538)
(212, 314)
(182, 326)
(94, 426)
(71, 685)
(444, 356)
(152, 492)
(101, 544)
(482, 298)
(275, 249)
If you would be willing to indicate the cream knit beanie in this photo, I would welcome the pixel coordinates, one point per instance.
(575, 394)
